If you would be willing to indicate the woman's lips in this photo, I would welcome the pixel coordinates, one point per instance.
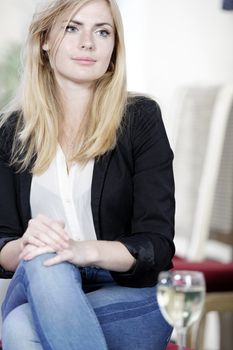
(84, 60)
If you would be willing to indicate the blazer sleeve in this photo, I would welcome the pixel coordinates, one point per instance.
(10, 225)
(151, 239)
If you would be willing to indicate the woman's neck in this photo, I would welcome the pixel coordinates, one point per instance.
(75, 101)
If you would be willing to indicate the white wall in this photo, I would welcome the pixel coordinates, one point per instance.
(178, 42)
(15, 16)
(169, 43)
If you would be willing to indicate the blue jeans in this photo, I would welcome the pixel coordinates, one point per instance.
(64, 307)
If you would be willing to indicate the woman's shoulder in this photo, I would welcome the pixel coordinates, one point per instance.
(141, 101)
(142, 110)
(140, 98)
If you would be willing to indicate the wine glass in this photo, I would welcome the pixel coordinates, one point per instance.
(180, 297)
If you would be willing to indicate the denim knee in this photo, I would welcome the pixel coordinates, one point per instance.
(39, 274)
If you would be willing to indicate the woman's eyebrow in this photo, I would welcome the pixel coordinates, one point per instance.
(95, 25)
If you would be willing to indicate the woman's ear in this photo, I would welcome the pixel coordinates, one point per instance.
(46, 46)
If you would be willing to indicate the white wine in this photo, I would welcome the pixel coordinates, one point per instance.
(181, 306)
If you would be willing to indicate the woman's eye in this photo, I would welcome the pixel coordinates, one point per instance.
(103, 33)
(71, 29)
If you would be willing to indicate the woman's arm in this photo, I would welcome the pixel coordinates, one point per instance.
(45, 235)
(9, 255)
(152, 226)
(48, 236)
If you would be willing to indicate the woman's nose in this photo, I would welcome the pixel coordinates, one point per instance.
(87, 42)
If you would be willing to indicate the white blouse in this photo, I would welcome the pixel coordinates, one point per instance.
(65, 196)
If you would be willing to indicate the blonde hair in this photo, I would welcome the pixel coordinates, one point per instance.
(39, 106)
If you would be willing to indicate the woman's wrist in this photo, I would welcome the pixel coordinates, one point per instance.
(110, 255)
(93, 249)
(85, 253)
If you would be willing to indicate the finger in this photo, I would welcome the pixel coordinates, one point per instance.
(40, 226)
(60, 230)
(58, 258)
(57, 225)
(41, 239)
(46, 234)
(36, 252)
(53, 261)
(29, 239)
(50, 237)
(27, 249)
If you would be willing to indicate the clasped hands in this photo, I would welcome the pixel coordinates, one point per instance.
(45, 235)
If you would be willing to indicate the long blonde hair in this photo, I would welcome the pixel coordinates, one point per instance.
(38, 105)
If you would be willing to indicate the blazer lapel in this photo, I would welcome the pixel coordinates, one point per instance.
(99, 175)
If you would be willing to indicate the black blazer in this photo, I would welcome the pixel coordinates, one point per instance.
(132, 193)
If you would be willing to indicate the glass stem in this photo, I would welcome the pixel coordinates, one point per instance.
(181, 338)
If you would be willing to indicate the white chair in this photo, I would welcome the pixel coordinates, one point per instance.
(203, 145)
(202, 167)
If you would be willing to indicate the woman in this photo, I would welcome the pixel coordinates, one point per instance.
(87, 203)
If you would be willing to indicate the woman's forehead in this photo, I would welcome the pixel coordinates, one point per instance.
(98, 11)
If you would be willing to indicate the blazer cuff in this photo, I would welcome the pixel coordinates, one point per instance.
(5, 274)
(139, 275)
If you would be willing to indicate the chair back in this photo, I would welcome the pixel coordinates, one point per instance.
(203, 165)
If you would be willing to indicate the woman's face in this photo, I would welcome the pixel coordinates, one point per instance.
(84, 54)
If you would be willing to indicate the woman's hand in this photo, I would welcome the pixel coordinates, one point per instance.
(80, 253)
(43, 235)
(76, 252)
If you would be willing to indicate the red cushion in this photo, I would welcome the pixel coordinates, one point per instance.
(172, 346)
(218, 275)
